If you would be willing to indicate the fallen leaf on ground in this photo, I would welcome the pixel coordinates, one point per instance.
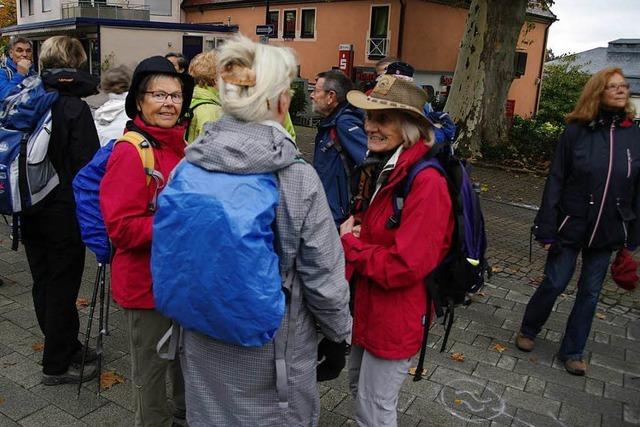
(496, 269)
(563, 296)
(7, 364)
(458, 357)
(484, 188)
(481, 294)
(82, 302)
(458, 401)
(109, 379)
(37, 346)
(1, 400)
(412, 371)
(601, 316)
(533, 359)
(499, 348)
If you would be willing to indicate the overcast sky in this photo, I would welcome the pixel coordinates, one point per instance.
(585, 24)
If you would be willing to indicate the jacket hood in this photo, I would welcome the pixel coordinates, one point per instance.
(343, 109)
(207, 93)
(111, 109)
(233, 146)
(69, 81)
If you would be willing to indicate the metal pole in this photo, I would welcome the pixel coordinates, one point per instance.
(266, 17)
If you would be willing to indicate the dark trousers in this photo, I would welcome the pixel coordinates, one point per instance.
(55, 254)
(558, 272)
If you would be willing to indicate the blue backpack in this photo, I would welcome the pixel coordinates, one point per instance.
(86, 191)
(217, 228)
(443, 126)
(463, 269)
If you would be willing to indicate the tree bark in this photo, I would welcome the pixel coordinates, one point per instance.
(484, 72)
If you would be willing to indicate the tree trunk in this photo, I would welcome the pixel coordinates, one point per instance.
(484, 72)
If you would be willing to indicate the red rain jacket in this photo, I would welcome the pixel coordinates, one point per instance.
(389, 266)
(124, 197)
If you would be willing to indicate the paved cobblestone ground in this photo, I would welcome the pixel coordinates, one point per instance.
(495, 384)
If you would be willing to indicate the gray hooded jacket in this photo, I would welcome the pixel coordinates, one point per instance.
(232, 385)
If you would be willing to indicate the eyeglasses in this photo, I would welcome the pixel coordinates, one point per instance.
(615, 87)
(161, 96)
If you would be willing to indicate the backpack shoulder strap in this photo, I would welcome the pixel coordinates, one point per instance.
(144, 150)
(7, 70)
(402, 189)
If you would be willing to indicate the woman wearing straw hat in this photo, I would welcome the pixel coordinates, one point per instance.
(388, 265)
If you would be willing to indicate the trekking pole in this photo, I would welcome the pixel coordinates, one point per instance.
(106, 316)
(99, 347)
(92, 308)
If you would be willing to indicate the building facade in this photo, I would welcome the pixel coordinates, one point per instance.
(621, 53)
(116, 32)
(355, 34)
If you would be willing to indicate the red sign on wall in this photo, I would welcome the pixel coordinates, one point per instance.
(345, 59)
(510, 108)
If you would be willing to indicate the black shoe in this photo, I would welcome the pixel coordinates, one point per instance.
(72, 376)
(91, 356)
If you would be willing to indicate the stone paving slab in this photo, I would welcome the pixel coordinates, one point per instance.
(489, 388)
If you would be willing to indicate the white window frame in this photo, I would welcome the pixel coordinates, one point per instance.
(296, 31)
(315, 24)
(278, 32)
(50, 6)
(368, 34)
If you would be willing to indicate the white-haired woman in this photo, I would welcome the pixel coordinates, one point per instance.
(233, 385)
(388, 260)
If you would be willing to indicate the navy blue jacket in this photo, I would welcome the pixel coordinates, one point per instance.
(592, 195)
(335, 171)
(10, 77)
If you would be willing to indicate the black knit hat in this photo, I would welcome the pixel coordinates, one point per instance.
(400, 69)
(157, 65)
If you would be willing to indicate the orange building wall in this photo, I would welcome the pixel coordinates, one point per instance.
(336, 23)
(432, 35)
(525, 89)
(430, 42)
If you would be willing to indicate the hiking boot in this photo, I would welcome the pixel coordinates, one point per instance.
(524, 343)
(576, 367)
(90, 357)
(72, 376)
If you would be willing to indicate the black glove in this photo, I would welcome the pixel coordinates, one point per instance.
(334, 359)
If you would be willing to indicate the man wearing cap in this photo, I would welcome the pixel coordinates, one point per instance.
(341, 142)
(18, 65)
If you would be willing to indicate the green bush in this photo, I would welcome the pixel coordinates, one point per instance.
(531, 144)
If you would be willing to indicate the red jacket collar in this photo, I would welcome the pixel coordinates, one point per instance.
(407, 158)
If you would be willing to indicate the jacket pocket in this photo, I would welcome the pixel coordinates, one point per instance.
(626, 216)
(573, 227)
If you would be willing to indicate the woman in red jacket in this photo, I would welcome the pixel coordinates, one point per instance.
(388, 265)
(158, 97)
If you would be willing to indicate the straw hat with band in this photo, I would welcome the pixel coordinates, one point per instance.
(391, 93)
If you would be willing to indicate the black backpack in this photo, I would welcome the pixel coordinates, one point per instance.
(462, 271)
(189, 114)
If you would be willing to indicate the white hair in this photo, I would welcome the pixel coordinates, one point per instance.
(274, 67)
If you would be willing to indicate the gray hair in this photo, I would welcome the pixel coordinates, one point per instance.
(339, 83)
(413, 130)
(274, 68)
(116, 79)
(15, 40)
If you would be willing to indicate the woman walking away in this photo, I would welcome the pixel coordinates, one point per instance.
(389, 263)
(205, 105)
(50, 231)
(589, 206)
(158, 97)
(257, 370)
(111, 118)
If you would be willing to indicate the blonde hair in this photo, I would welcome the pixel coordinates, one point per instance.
(588, 104)
(203, 69)
(274, 68)
(62, 52)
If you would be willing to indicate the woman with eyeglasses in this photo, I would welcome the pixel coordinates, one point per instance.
(590, 204)
(158, 97)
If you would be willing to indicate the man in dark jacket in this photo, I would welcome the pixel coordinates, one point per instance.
(341, 142)
(18, 65)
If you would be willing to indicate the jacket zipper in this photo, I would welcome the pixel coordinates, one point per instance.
(628, 163)
(340, 199)
(563, 223)
(606, 186)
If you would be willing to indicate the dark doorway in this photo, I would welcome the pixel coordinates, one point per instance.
(191, 46)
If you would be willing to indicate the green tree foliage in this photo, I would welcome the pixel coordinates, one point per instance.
(561, 86)
(7, 18)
